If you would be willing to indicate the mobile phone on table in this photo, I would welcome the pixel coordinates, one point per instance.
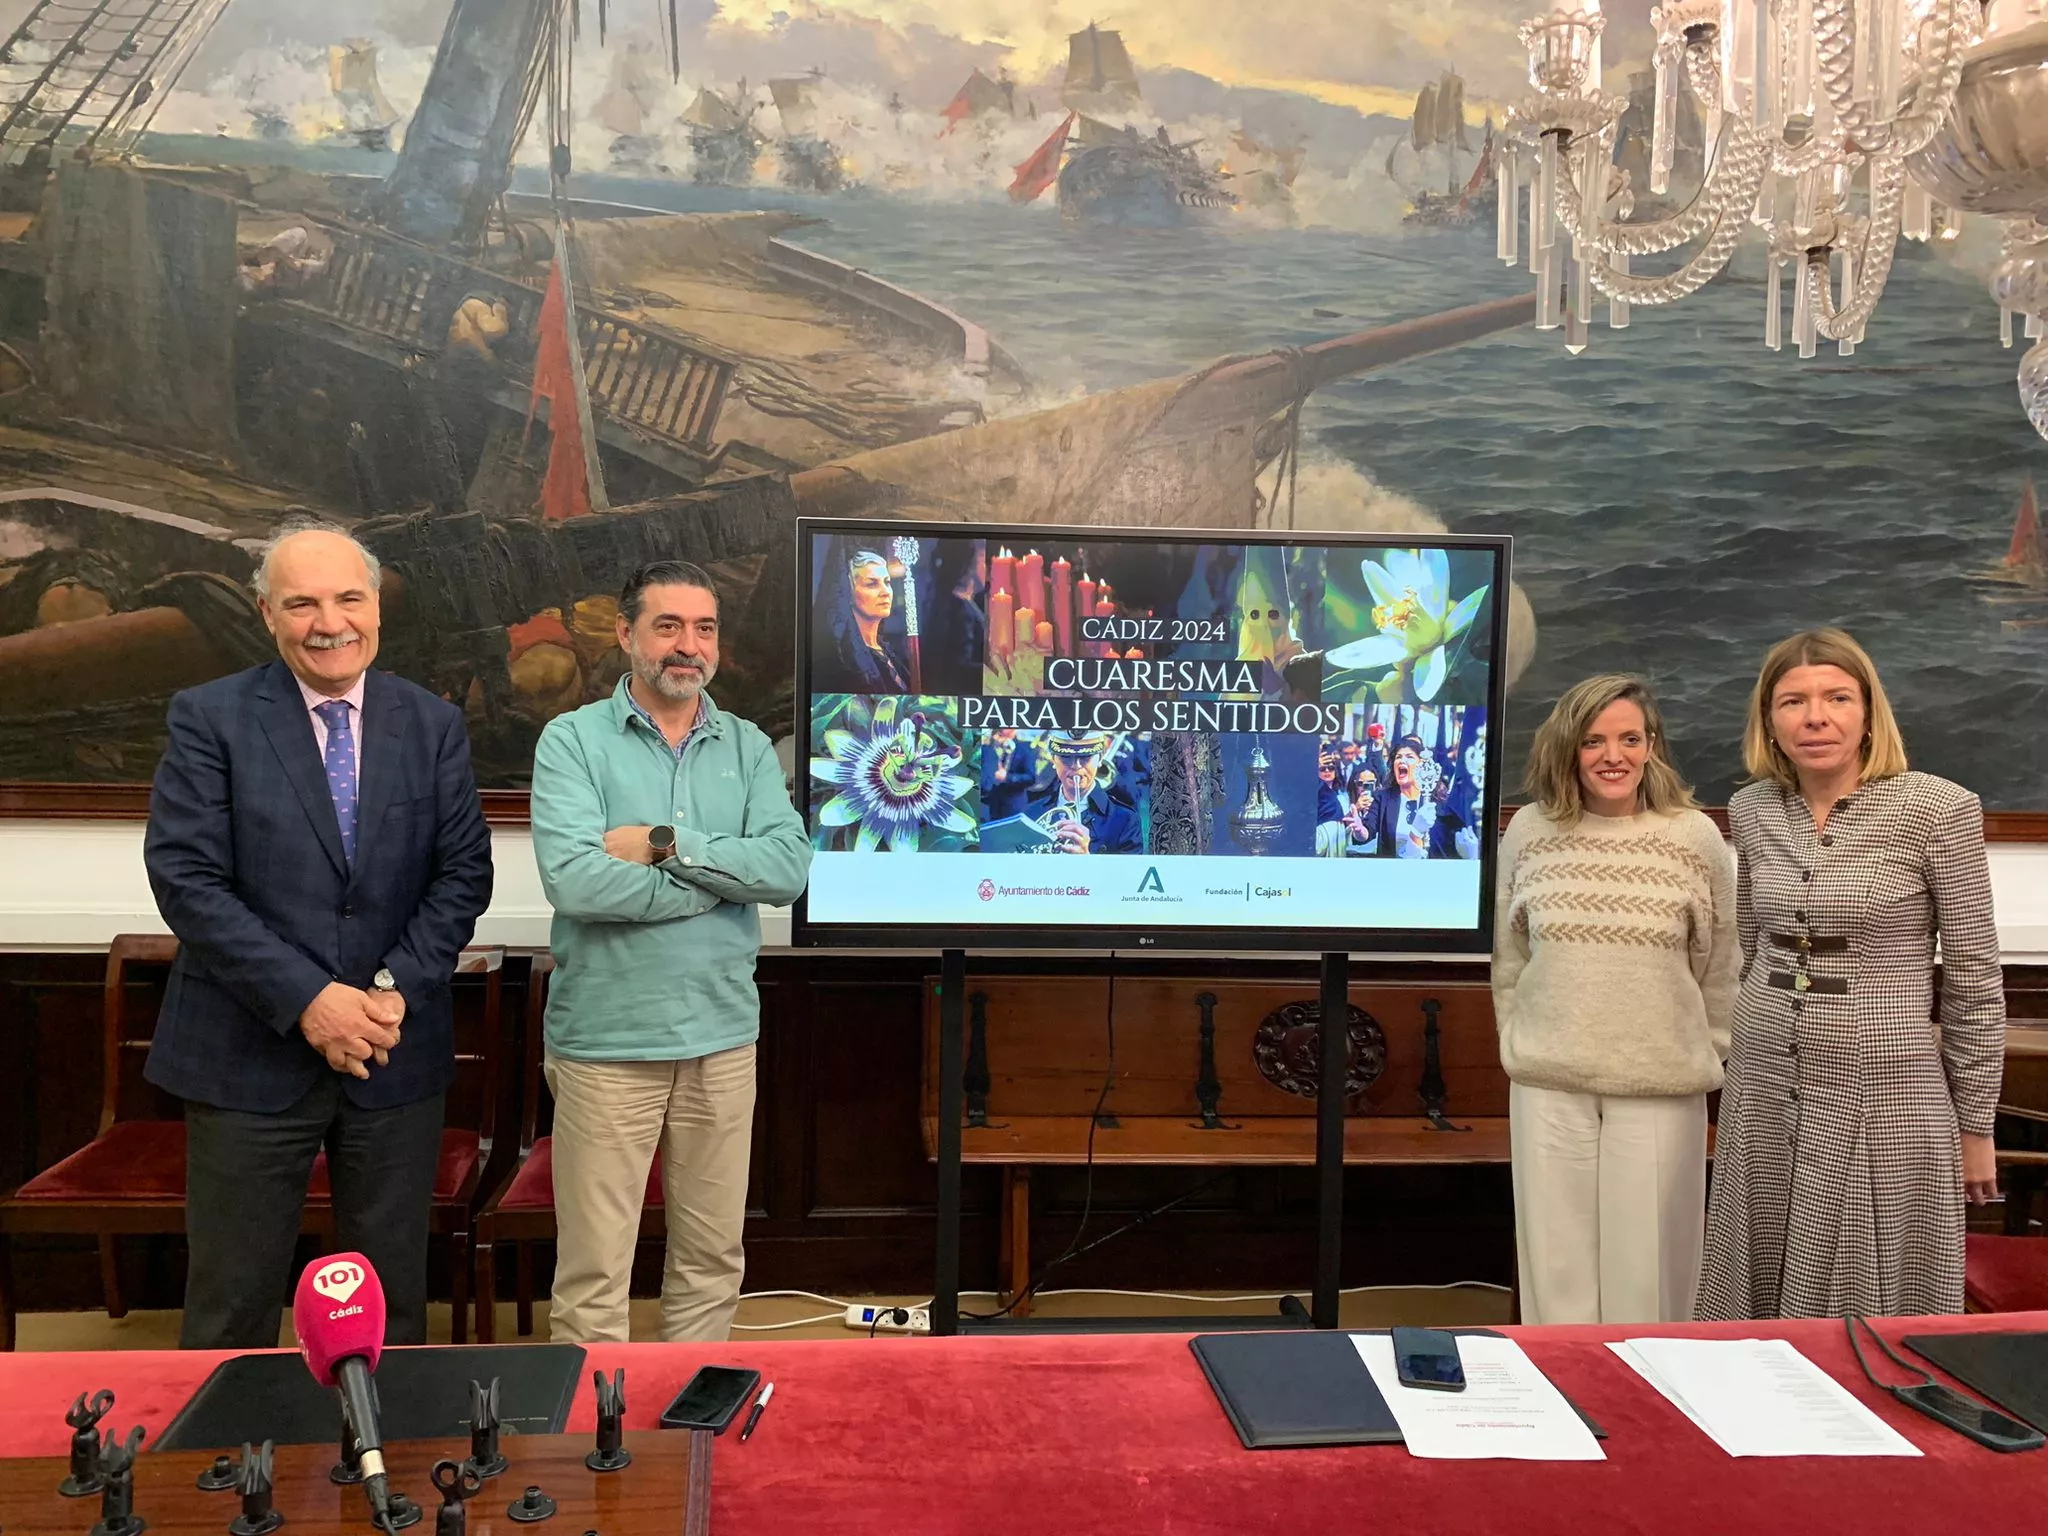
(1428, 1357)
(711, 1399)
(1987, 1426)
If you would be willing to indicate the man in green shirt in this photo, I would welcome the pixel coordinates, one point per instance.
(659, 823)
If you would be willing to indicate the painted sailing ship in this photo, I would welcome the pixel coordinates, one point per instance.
(723, 139)
(1100, 76)
(626, 109)
(1429, 165)
(367, 115)
(810, 161)
(981, 98)
(1112, 173)
(2022, 576)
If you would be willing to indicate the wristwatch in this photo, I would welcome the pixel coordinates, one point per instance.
(384, 981)
(661, 842)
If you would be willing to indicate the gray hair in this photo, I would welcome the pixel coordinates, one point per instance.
(266, 552)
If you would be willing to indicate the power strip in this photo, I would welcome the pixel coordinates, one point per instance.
(870, 1319)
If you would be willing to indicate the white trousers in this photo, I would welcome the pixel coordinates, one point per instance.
(1610, 1205)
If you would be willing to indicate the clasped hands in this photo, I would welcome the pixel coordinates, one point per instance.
(352, 1028)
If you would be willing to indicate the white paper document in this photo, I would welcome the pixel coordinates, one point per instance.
(1761, 1397)
(1508, 1411)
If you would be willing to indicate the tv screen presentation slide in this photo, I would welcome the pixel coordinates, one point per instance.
(1136, 738)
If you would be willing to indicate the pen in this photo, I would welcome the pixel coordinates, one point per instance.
(754, 1418)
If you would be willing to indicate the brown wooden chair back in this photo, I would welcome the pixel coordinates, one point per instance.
(138, 965)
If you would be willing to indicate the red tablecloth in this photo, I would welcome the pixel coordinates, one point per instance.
(1084, 1434)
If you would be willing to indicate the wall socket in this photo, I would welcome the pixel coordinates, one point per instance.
(873, 1319)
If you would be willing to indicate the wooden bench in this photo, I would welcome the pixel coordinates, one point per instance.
(1037, 1055)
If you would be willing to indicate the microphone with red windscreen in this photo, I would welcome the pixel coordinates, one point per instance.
(338, 1314)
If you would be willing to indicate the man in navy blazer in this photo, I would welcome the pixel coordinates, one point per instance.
(316, 844)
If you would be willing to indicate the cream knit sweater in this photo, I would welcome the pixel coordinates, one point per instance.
(1615, 956)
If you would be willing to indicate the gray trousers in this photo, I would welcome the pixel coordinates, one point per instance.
(245, 1188)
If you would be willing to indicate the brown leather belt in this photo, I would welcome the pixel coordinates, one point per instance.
(1812, 944)
(1832, 986)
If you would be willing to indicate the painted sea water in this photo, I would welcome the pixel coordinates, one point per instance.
(1680, 497)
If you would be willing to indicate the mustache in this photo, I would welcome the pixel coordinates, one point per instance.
(332, 642)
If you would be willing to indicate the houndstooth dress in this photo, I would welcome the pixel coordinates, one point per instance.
(1838, 1182)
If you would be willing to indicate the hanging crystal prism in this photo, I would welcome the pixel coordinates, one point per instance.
(1664, 122)
(1846, 347)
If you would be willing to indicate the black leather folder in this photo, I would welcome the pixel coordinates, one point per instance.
(1295, 1388)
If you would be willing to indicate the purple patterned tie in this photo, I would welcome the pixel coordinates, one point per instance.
(341, 770)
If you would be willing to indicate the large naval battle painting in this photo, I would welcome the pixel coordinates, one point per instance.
(526, 292)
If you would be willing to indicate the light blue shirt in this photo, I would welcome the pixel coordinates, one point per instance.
(656, 963)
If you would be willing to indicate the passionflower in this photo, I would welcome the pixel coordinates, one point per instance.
(1416, 621)
(894, 778)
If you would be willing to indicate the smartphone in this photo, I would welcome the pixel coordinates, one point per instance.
(712, 1398)
(1986, 1426)
(1428, 1357)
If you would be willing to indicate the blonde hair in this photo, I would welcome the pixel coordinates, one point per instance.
(1883, 749)
(1553, 776)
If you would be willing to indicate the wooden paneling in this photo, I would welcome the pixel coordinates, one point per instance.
(842, 1191)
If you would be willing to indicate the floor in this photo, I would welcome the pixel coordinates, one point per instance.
(804, 1317)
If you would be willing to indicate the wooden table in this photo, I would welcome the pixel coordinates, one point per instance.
(647, 1496)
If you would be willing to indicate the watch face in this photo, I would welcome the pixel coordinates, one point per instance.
(384, 981)
(662, 839)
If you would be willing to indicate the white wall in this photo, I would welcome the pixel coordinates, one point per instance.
(74, 885)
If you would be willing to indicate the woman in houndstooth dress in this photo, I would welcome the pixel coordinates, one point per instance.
(1852, 1130)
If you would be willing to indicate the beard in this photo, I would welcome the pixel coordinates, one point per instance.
(667, 677)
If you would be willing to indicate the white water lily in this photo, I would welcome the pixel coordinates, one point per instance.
(893, 780)
(1412, 611)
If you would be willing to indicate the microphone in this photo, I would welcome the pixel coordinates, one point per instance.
(338, 1313)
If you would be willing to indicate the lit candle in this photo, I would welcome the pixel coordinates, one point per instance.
(1135, 653)
(1002, 573)
(1043, 636)
(1063, 605)
(1031, 582)
(1025, 630)
(1106, 610)
(1084, 597)
(1002, 631)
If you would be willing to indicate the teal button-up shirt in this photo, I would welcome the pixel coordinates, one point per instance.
(657, 963)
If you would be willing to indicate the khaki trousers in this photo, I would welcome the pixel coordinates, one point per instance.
(1610, 1205)
(610, 1116)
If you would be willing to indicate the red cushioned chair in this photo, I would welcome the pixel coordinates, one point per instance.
(2008, 1271)
(521, 1209)
(130, 1178)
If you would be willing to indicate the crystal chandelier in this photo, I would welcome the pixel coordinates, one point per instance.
(1830, 127)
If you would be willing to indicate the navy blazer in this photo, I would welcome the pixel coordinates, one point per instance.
(244, 855)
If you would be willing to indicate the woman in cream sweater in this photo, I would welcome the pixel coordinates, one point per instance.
(1614, 974)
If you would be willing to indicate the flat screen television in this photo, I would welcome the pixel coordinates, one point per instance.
(1121, 738)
